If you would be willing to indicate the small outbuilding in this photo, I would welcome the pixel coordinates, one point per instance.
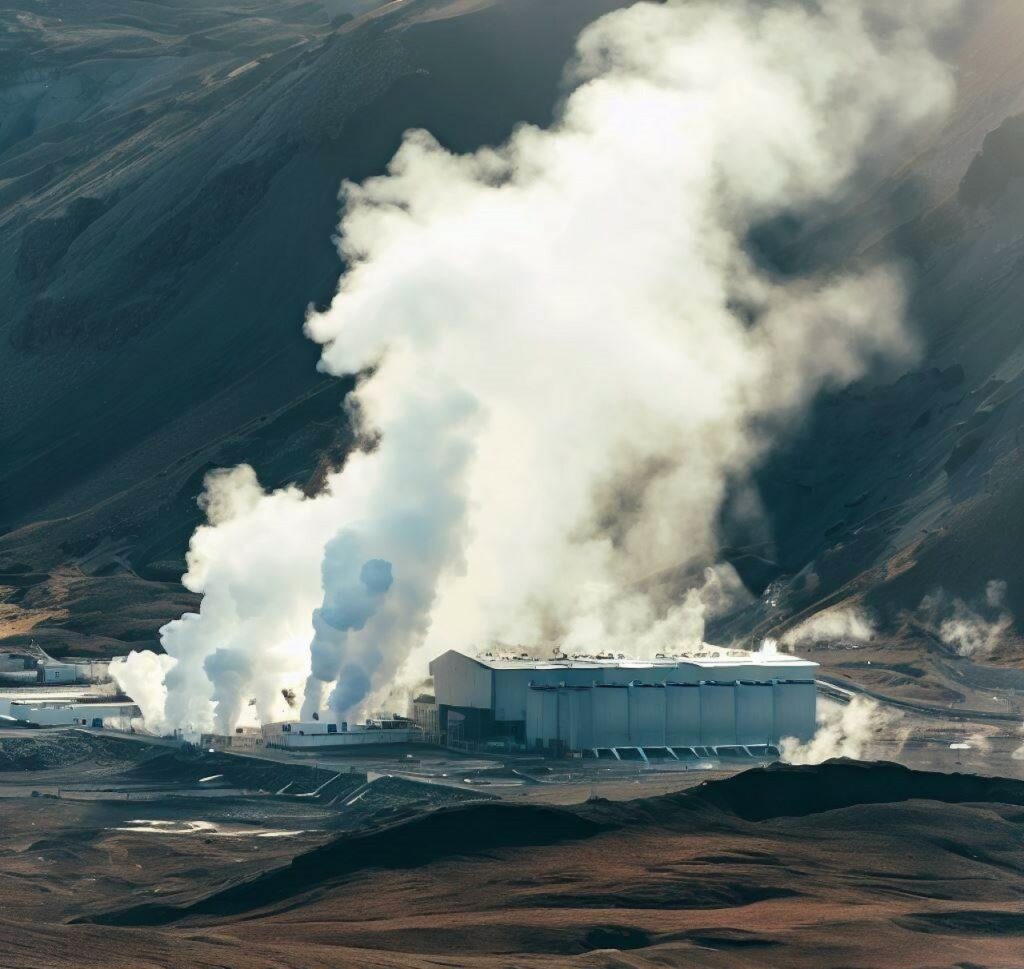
(317, 734)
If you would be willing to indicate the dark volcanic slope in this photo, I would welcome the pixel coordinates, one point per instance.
(865, 877)
(168, 182)
(168, 192)
(912, 483)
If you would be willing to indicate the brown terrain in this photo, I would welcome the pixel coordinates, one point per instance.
(846, 864)
(168, 191)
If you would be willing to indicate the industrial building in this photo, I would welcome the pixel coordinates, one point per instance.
(604, 706)
(240, 739)
(424, 712)
(82, 707)
(35, 666)
(318, 734)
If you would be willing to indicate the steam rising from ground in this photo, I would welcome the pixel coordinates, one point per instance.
(1018, 754)
(848, 625)
(570, 356)
(844, 730)
(973, 629)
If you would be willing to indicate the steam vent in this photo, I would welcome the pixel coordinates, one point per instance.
(606, 707)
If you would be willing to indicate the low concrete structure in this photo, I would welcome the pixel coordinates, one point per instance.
(55, 672)
(319, 734)
(37, 667)
(74, 671)
(116, 716)
(71, 706)
(241, 739)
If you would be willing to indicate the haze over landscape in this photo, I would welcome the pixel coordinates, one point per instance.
(120, 397)
(338, 335)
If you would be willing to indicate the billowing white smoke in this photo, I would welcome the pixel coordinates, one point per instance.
(843, 731)
(846, 625)
(571, 353)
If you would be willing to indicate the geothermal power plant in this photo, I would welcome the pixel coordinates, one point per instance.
(611, 706)
(602, 706)
(719, 703)
(715, 703)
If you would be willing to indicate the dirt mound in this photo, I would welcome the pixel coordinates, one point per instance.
(473, 830)
(672, 881)
(972, 922)
(787, 791)
(45, 751)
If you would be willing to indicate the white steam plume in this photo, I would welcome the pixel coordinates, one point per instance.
(973, 629)
(141, 676)
(1018, 753)
(980, 740)
(971, 633)
(848, 625)
(410, 493)
(572, 353)
(844, 730)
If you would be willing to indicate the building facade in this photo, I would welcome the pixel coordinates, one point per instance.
(116, 715)
(593, 704)
(424, 713)
(240, 739)
(317, 734)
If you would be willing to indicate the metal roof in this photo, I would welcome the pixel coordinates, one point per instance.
(80, 692)
(736, 658)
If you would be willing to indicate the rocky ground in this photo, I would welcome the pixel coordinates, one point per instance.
(854, 865)
(39, 750)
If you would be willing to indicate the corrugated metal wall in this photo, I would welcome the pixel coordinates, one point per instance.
(755, 713)
(610, 715)
(711, 714)
(717, 714)
(461, 682)
(682, 715)
(647, 715)
(795, 709)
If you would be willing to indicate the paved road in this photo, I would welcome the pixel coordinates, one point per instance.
(843, 690)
